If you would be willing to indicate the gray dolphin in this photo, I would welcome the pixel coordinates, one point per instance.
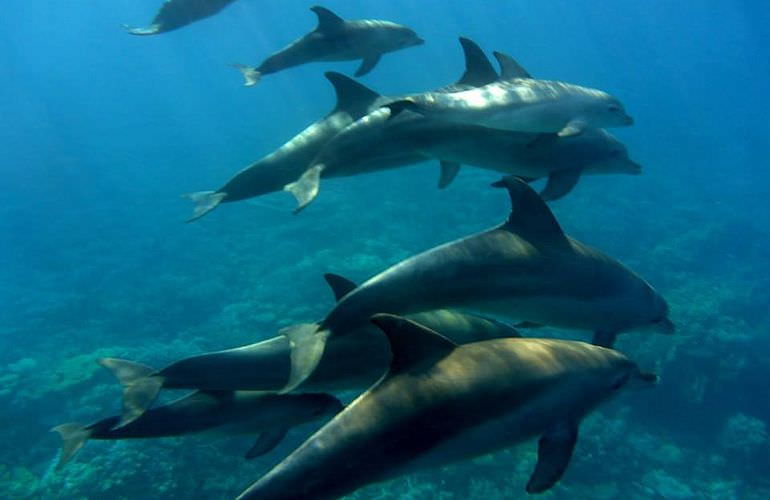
(441, 403)
(335, 39)
(224, 413)
(526, 269)
(523, 105)
(350, 362)
(276, 170)
(174, 14)
(377, 142)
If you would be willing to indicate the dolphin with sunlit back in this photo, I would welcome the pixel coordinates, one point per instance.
(441, 403)
(525, 269)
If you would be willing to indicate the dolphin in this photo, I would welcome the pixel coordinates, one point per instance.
(209, 412)
(523, 105)
(350, 362)
(175, 14)
(525, 269)
(273, 172)
(377, 142)
(335, 39)
(442, 403)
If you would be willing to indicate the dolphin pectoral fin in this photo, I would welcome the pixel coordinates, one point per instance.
(554, 451)
(307, 346)
(328, 22)
(509, 67)
(340, 286)
(530, 217)
(449, 170)
(73, 437)
(574, 127)
(250, 74)
(544, 140)
(604, 338)
(140, 386)
(411, 344)
(305, 189)
(478, 70)
(367, 64)
(266, 442)
(560, 183)
(397, 107)
(205, 202)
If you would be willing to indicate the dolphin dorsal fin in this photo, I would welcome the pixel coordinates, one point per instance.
(340, 286)
(411, 344)
(509, 67)
(328, 21)
(530, 217)
(352, 96)
(478, 69)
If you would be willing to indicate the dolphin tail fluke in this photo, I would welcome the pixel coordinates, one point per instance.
(152, 30)
(73, 437)
(307, 345)
(140, 386)
(205, 202)
(305, 189)
(250, 74)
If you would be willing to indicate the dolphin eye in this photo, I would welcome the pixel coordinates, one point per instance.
(613, 108)
(615, 153)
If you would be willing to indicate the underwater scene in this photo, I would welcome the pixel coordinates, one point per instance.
(433, 249)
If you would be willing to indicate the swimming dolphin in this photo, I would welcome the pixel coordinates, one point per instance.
(523, 105)
(175, 14)
(377, 142)
(441, 403)
(374, 143)
(335, 39)
(211, 412)
(525, 269)
(350, 362)
(285, 165)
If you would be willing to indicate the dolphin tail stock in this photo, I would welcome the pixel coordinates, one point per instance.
(251, 75)
(140, 384)
(152, 30)
(73, 436)
(305, 189)
(307, 345)
(397, 107)
(205, 202)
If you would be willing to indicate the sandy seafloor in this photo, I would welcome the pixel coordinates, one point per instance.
(101, 132)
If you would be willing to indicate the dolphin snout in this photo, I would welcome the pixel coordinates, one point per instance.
(634, 168)
(628, 120)
(419, 41)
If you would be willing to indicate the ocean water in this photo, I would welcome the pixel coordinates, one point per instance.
(100, 133)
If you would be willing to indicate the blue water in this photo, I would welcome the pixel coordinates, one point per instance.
(100, 133)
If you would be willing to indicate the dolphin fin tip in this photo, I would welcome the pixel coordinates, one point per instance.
(205, 202)
(250, 74)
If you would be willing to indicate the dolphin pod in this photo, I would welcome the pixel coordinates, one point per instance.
(438, 377)
(441, 403)
(525, 269)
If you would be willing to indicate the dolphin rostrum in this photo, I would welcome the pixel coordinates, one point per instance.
(209, 412)
(285, 165)
(350, 362)
(335, 39)
(175, 14)
(525, 269)
(441, 403)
